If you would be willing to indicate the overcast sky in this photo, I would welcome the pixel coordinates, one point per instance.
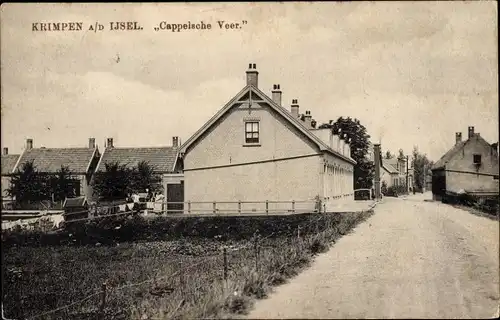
(413, 73)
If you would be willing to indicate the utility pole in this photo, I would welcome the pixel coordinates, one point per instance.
(424, 184)
(407, 186)
(377, 154)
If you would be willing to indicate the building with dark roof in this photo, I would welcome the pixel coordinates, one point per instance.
(163, 160)
(81, 162)
(9, 162)
(470, 166)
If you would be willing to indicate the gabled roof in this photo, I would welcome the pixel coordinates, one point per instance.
(252, 90)
(388, 167)
(50, 160)
(441, 163)
(9, 162)
(162, 159)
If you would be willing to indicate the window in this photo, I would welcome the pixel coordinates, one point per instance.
(477, 159)
(251, 132)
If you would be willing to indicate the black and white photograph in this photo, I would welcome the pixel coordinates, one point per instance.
(250, 160)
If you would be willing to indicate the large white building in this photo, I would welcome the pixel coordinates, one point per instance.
(254, 149)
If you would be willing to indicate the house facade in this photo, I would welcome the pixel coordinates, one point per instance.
(8, 164)
(470, 166)
(255, 150)
(163, 160)
(80, 161)
(388, 174)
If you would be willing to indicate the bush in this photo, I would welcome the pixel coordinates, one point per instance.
(383, 188)
(391, 192)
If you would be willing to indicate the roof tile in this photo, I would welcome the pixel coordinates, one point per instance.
(8, 163)
(162, 159)
(50, 160)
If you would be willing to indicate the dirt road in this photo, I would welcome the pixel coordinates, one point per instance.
(411, 259)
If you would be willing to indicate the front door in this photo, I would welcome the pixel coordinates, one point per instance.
(175, 197)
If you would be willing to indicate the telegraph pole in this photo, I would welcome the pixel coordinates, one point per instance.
(407, 186)
(377, 153)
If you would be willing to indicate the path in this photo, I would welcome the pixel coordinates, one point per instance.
(412, 258)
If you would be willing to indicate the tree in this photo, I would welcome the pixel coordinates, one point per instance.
(114, 182)
(401, 154)
(383, 188)
(62, 184)
(421, 166)
(144, 178)
(388, 155)
(28, 185)
(364, 168)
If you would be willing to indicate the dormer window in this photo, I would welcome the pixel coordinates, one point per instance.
(477, 158)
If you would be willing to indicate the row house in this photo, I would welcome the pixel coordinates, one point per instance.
(81, 162)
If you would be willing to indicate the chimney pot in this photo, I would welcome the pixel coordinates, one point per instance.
(29, 144)
(5, 151)
(458, 137)
(252, 75)
(308, 119)
(110, 143)
(91, 143)
(276, 94)
(471, 131)
(175, 141)
(294, 109)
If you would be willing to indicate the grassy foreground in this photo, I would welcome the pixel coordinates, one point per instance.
(176, 278)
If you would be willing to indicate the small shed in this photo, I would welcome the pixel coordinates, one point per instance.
(75, 208)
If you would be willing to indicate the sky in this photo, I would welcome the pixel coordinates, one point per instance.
(413, 73)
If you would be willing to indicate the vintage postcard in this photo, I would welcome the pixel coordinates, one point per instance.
(267, 160)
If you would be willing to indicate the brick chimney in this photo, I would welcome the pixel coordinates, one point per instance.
(458, 137)
(29, 144)
(175, 142)
(110, 143)
(294, 108)
(308, 119)
(276, 94)
(377, 157)
(252, 75)
(91, 143)
(5, 151)
(471, 132)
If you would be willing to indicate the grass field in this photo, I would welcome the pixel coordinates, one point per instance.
(175, 278)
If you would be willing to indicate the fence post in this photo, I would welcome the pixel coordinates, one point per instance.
(225, 265)
(298, 232)
(239, 206)
(215, 208)
(267, 206)
(103, 301)
(189, 206)
(256, 247)
(293, 206)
